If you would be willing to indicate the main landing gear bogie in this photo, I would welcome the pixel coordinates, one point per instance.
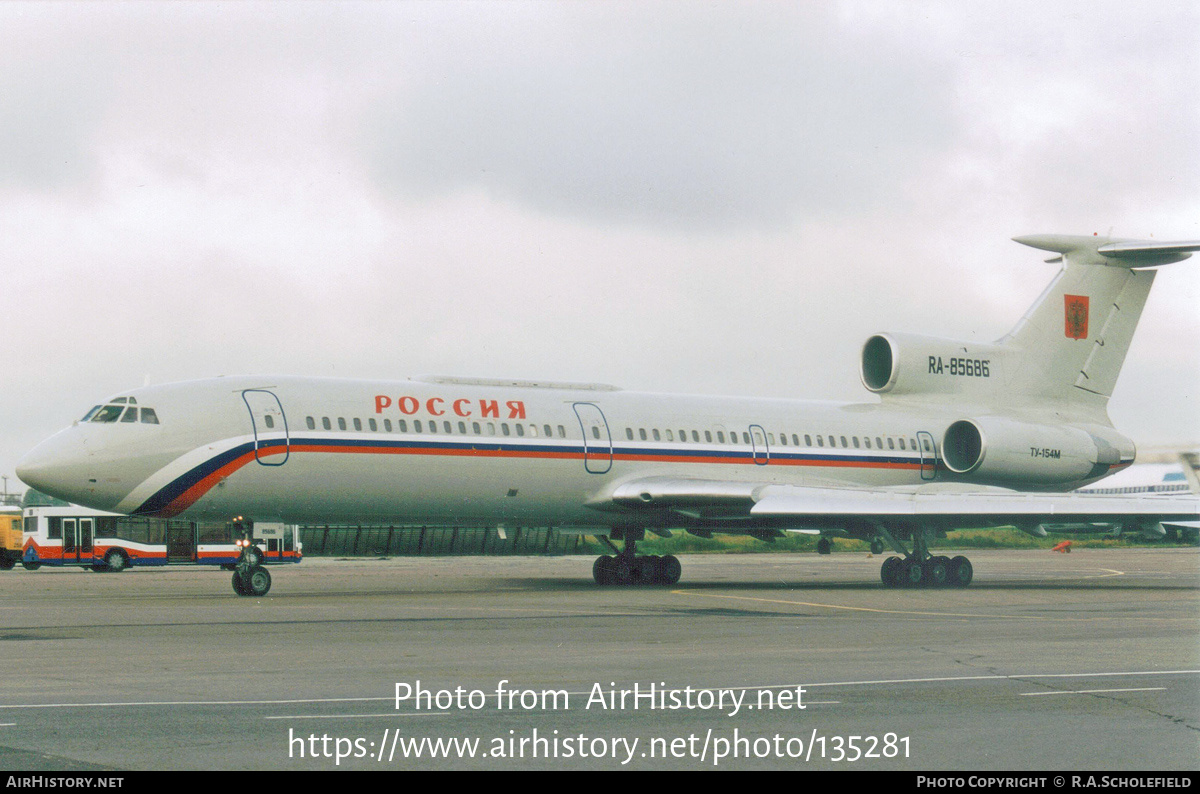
(629, 569)
(932, 572)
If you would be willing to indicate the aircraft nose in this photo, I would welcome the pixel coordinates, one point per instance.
(58, 467)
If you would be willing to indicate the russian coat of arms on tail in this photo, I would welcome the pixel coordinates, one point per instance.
(1076, 316)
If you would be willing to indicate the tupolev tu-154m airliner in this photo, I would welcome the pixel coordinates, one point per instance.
(962, 434)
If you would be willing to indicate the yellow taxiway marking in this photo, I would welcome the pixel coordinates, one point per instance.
(918, 613)
(1091, 691)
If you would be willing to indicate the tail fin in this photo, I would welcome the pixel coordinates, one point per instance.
(1071, 343)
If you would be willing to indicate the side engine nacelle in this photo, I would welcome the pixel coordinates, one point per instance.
(912, 364)
(999, 451)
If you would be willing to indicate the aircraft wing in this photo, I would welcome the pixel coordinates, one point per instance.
(742, 505)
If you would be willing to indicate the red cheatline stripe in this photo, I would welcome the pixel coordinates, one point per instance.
(203, 486)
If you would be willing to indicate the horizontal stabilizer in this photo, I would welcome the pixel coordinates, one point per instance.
(1101, 250)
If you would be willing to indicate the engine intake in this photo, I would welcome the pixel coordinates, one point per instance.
(911, 364)
(1002, 451)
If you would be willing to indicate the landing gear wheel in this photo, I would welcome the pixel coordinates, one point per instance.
(602, 570)
(890, 572)
(960, 572)
(258, 581)
(935, 572)
(645, 570)
(669, 570)
(239, 585)
(622, 570)
(116, 561)
(912, 574)
(253, 556)
(824, 546)
(877, 546)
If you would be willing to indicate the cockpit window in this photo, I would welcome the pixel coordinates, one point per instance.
(123, 409)
(108, 413)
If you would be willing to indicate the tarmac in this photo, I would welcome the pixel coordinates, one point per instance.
(1082, 661)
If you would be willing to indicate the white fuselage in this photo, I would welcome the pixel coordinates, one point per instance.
(467, 452)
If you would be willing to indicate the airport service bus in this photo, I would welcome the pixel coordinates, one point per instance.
(65, 534)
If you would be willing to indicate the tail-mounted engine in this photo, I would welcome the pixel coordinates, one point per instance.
(898, 364)
(997, 451)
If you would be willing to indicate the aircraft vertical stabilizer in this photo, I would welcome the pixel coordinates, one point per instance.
(1070, 346)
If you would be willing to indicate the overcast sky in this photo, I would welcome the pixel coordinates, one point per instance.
(717, 198)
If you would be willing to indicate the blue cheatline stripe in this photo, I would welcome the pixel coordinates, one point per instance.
(166, 496)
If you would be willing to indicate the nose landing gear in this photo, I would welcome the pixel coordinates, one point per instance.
(250, 578)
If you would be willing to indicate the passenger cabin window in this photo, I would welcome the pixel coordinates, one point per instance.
(325, 423)
(357, 424)
(629, 433)
(341, 423)
(373, 424)
(312, 425)
(269, 421)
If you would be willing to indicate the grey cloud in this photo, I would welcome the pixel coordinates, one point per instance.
(739, 121)
(47, 114)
